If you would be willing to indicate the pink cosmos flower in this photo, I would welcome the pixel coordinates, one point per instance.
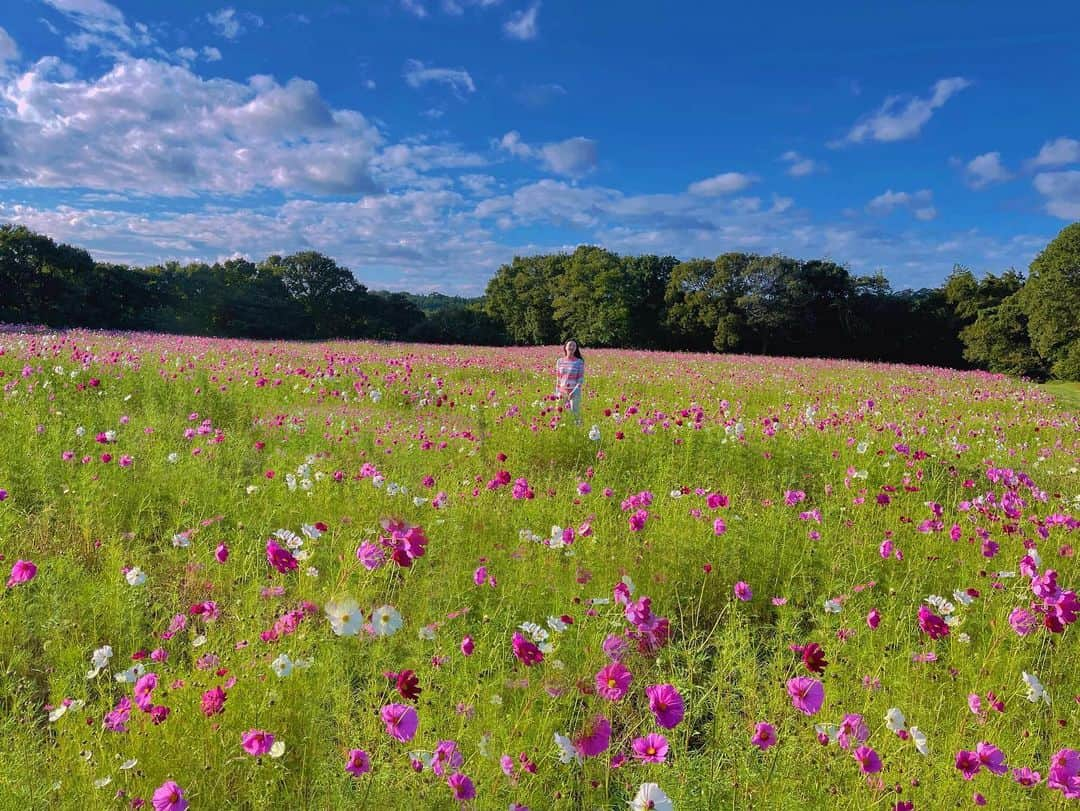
(666, 705)
(968, 763)
(743, 591)
(446, 757)
(595, 739)
(1026, 777)
(719, 527)
(873, 619)
(1065, 773)
(807, 694)
(613, 680)
(991, 758)
(370, 555)
(256, 742)
(357, 762)
(169, 797)
(764, 735)
(638, 519)
(213, 701)
(853, 729)
(868, 759)
(280, 558)
(116, 719)
(467, 645)
(1022, 622)
(221, 554)
(401, 721)
(461, 786)
(144, 687)
(526, 651)
(932, 625)
(22, 572)
(650, 749)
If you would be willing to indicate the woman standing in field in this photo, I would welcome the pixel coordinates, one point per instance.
(570, 377)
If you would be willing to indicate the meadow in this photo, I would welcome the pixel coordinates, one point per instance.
(359, 575)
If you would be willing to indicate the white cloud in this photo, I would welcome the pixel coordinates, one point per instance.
(798, 166)
(1059, 152)
(230, 25)
(9, 51)
(1062, 190)
(523, 25)
(415, 7)
(919, 203)
(725, 183)
(574, 156)
(903, 117)
(211, 54)
(457, 79)
(148, 125)
(986, 169)
(101, 25)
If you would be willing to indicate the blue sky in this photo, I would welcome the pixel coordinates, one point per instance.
(422, 143)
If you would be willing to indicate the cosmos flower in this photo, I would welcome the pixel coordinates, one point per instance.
(169, 797)
(764, 735)
(665, 704)
(651, 748)
(256, 742)
(401, 721)
(613, 680)
(357, 762)
(649, 797)
(807, 694)
(23, 571)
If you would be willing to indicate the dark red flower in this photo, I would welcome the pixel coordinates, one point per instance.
(814, 658)
(407, 684)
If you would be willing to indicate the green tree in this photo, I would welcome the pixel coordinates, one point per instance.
(1051, 301)
(519, 297)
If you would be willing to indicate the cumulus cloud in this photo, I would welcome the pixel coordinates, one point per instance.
(230, 25)
(148, 125)
(1059, 152)
(919, 203)
(985, 170)
(573, 157)
(9, 51)
(1062, 193)
(457, 79)
(725, 183)
(902, 117)
(101, 25)
(798, 166)
(523, 25)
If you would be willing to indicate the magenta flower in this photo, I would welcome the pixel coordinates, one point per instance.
(1026, 777)
(256, 742)
(764, 735)
(638, 519)
(357, 762)
(933, 625)
(116, 719)
(719, 527)
(221, 554)
(968, 763)
(467, 645)
(743, 591)
(666, 705)
(807, 694)
(1023, 622)
(280, 558)
(868, 760)
(873, 619)
(526, 651)
(401, 721)
(22, 572)
(370, 555)
(991, 758)
(144, 687)
(1064, 773)
(461, 786)
(650, 749)
(613, 681)
(595, 739)
(853, 729)
(169, 797)
(213, 701)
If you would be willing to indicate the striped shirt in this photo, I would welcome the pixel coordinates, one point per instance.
(569, 374)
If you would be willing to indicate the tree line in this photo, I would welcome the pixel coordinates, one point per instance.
(737, 302)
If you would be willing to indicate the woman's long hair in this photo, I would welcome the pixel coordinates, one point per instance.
(577, 349)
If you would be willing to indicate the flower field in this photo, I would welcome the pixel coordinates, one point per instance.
(287, 575)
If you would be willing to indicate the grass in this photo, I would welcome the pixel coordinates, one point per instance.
(231, 441)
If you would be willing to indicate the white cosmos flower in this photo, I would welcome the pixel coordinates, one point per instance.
(282, 666)
(832, 607)
(556, 624)
(894, 719)
(594, 433)
(918, 737)
(345, 617)
(1035, 689)
(862, 447)
(290, 538)
(80, 431)
(650, 798)
(57, 713)
(426, 632)
(567, 752)
(99, 659)
(172, 458)
(375, 395)
(831, 731)
(386, 620)
(277, 748)
(962, 597)
(311, 531)
(181, 540)
(131, 675)
(135, 576)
